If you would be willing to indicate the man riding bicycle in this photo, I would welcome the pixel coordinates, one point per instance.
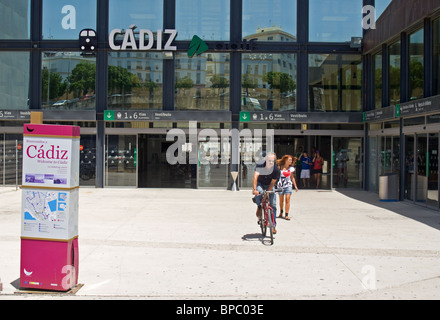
(265, 177)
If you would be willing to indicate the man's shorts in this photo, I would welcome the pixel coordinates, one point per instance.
(305, 174)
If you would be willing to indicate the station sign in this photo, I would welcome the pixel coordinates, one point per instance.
(300, 117)
(150, 115)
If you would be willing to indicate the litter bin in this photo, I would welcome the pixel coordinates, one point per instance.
(389, 187)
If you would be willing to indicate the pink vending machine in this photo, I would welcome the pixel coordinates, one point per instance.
(49, 222)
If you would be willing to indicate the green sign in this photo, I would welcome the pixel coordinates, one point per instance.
(245, 116)
(397, 110)
(109, 115)
(197, 46)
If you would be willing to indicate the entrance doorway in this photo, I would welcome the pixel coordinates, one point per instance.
(421, 169)
(288, 145)
(154, 171)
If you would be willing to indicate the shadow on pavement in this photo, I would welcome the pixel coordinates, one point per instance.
(430, 217)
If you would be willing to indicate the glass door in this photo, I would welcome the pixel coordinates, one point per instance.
(409, 167)
(120, 164)
(422, 169)
(432, 170)
(347, 162)
(214, 160)
(13, 159)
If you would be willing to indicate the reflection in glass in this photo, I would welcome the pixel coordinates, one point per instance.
(14, 80)
(15, 19)
(377, 60)
(436, 56)
(209, 20)
(409, 167)
(394, 60)
(334, 20)
(87, 166)
(373, 168)
(422, 169)
(65, 19)
(269, 20)
(202, 82)
(120, 161)
(12, 159)
(335, 82)
(432, 167)
(68, 80)
(347, 169)
(213, 166)
(268, 81)
(416, 64)
(144, 14)
(135, 80)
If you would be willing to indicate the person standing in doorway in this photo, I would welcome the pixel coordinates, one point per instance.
(318, 162)
(306, 162)
(286, 181)
(341, 162)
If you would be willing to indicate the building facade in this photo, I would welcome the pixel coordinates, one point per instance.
(402, 65)
(287, 69)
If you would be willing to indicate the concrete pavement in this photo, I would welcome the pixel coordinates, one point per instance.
(206, 244)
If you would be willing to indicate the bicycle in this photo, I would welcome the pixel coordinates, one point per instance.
(267, 216)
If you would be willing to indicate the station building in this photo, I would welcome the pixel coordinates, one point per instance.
(231, 75)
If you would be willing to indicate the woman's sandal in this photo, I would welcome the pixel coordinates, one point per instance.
(287, 216)
(281, 214)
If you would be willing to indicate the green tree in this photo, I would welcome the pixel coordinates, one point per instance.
(249, 82)
(280, 80)
(57, 86)
(120, 80)
(82, 78)
(184, 83)
(219, 82)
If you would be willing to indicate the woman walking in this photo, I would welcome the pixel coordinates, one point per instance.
(286, 181)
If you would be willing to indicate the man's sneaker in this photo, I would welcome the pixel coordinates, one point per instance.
(253, 200)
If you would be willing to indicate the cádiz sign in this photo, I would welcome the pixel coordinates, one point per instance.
(145, 41)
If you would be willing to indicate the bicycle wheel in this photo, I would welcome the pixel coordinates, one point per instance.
(270, 223)
(263, 223)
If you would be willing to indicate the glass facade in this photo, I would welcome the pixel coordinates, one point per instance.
(334, 20)
(64, 19)
(377, 60)
(416, 63)
(15, 19)
(335, 83)
(135, 80)
(210, 20)
(144, 14)
(14, 80)
(268, 82)
(68, 81)
(436, 56)
(265, 20)
(394, 72)
(202, 83)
